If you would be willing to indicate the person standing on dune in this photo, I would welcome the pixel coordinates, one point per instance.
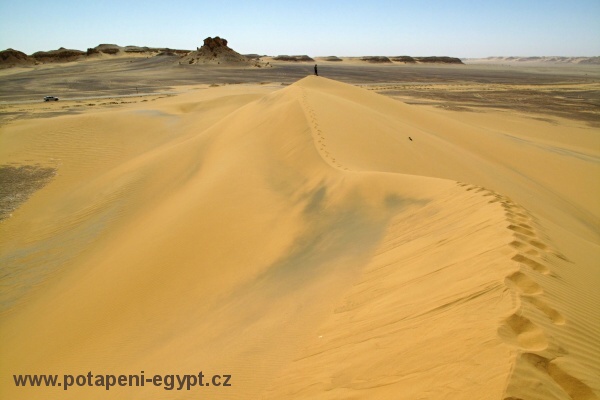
(316, 73)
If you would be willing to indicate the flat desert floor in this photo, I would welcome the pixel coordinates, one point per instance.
(377, 232)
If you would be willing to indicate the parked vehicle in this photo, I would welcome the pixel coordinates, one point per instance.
(50, 98)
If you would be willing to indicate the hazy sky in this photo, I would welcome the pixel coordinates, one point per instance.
(460, 28)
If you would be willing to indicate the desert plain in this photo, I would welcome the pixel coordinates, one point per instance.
(375, 232)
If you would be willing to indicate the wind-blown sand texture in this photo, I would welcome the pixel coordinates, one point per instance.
(317, 241)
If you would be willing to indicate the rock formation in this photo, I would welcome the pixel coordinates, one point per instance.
(215, 51)
(60, 55)
(439, 60)
(332, 58)
(13, 58)
(413, 60)
(376, 59)
(293, 58)
(404, 59)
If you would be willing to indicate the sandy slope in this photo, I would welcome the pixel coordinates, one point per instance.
(298, 240)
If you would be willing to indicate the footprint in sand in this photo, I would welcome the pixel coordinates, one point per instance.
(516, 217)
(518, 245)
(524, 283)
(518, 329)
(543, 247)
(509, 206)
(532, 252)
(498, 198)
(524, 248)
(520, 229)
(576, 389)
(537, 244)
(524, 225)
(536, 266)
(525, 333)
(550, 312)
(512, 211)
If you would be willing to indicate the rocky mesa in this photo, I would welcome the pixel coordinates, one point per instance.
(216, 51)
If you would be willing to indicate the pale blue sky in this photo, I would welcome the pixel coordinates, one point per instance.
(460, 28)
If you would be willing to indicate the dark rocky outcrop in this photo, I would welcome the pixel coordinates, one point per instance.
(294, 58)
(60, 55)
(113, 49)
(439, 60)
(13, 58)
(376, 59)
(110, 50)
(411, 60)
(215, 43)
(216, 51)
(404, 59)
(332, 58)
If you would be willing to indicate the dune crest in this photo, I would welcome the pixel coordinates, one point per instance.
(316, 241)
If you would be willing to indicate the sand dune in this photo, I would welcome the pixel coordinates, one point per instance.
(318, 241)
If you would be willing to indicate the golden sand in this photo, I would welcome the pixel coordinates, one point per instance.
(318, 241)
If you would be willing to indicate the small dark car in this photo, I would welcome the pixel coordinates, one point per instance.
(50, 98)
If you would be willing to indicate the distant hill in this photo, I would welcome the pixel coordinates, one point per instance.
(216, 51)
(413, 60)
(404, 59)
(213, 51)
(302, 58)
(439, 60)
(60, 55)
(13, 58)
(395, 59)
(376, 59)
(535, 60)
(113, 49)
(332, 58)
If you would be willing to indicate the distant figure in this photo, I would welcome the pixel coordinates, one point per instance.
(316, 73)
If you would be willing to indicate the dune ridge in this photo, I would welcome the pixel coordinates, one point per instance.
(318, 241)
(523, 337)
